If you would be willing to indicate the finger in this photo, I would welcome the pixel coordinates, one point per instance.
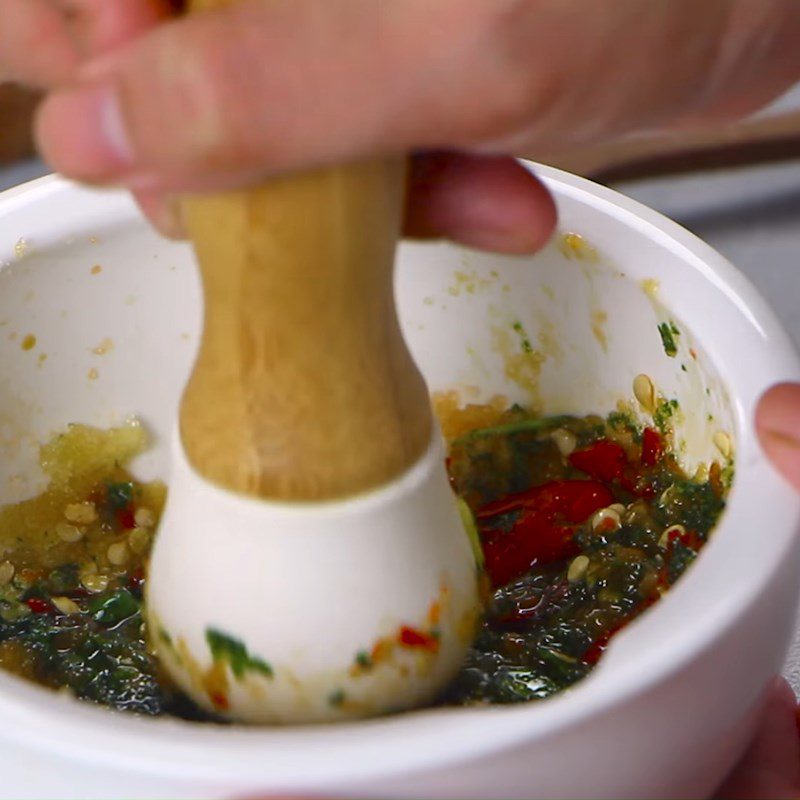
(164, 213)
(271, 86)
(99, 26)
(778, 426)
(770, 770)
(486, 203)
(35, 46)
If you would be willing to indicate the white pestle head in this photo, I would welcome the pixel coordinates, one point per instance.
(279, 612)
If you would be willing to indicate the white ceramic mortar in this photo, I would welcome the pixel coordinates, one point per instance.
(670, 706)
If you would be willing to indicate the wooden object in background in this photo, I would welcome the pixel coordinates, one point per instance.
(16, 115)
(750, 142)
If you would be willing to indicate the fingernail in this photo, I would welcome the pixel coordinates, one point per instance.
(82, 133)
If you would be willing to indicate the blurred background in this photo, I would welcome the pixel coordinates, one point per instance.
(739, 189)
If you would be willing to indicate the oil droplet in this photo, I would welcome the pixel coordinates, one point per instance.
(104, 346)
(21, 248)
(93, 374)
(96, 269)
(29, 342)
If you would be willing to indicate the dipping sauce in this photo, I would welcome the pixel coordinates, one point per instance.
(581, 523)
(584, 524)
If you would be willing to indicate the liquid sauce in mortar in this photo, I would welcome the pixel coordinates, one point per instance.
(582, 524)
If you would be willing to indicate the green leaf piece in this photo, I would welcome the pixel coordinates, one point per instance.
(233, 651)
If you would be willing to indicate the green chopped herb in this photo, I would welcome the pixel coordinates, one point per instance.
(668, 333)
(225, 648)
(111, 610)
(525, 342)
(363, 659)
(523, 426)
(336, 698)
(624, 421)
(119, 495)
(663, 414)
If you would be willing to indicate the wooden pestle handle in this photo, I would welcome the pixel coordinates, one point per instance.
(304, 388)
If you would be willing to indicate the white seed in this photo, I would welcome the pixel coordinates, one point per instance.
(606, 520)
(723, 443)
(618, 507)
(65, 605)
(7, 571)
(144, 518)
(701, 473)
(68, 533)
(645, 392)
(117, 553)
(577, 569)
(82, 513)
(95, 583)
(666, 496)
(564, 440)
(139, 540)
(678, 530)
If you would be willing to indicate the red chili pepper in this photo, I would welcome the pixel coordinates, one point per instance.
(38, 606)
(605, 460)
(574, 500)
(652, 447)
(125, 518)
(543, 532)
(598, 646)
(411, 637)
(219, 701)
(687, 538)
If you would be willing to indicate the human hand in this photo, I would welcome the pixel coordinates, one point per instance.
(770, 769)
(230, 97)
(778, 425)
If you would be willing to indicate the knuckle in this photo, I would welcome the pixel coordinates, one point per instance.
(177, 96)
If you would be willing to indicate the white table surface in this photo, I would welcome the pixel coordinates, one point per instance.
(751, 215)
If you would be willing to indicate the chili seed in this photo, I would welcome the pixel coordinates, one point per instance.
(7, 570)
(578, 569)
(701, 473)
(68, 533)
(82, 513)
(117, 553)
(144, 518)
(723, 443)
(564, 440)
(138, 540)
(645, 392)
(65, 605)
(679, 530)
(95, 583)
(606, 520)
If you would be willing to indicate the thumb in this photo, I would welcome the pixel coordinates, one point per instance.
(778, 426)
